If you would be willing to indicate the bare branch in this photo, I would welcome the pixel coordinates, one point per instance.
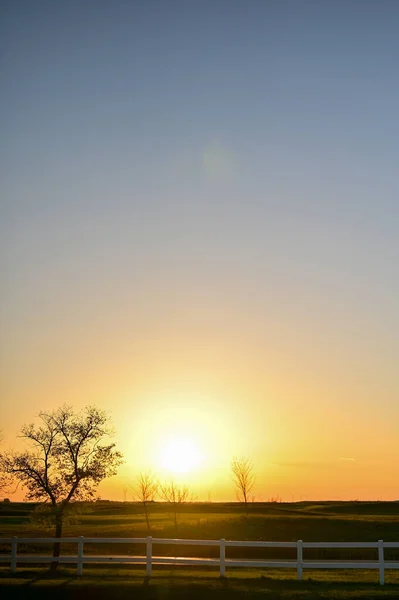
(175, 495)
(243, 477)
(146, 490)
(67, 461)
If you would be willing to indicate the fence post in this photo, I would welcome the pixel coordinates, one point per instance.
(149, 556)
(14, 544)
(222, 558)
(381, 561)
(299, 559)
(80, 555)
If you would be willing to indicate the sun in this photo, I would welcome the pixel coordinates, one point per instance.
(180, 455)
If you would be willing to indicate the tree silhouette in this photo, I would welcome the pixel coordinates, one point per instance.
(243, 478)
(175, 495)
(5, 479)
(66, 461)
(146, 490)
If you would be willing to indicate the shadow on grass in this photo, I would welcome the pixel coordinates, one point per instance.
(173, 584)
(177, 577)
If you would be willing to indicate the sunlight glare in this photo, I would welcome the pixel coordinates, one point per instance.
(180, 455)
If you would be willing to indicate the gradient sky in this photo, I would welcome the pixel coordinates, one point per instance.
(199, 231)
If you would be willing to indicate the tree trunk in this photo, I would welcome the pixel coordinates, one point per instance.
(57, 545)
(147, 518)
(176, 523)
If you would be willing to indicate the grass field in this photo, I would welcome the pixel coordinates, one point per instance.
(323, 521)
(121, 584)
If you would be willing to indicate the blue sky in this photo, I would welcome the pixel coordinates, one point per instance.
(211, 172)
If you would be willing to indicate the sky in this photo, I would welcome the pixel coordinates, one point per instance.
(199, 232)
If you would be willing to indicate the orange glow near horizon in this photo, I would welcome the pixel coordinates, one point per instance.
(191, 436)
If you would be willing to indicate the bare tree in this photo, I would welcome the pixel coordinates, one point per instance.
(243, 477)
(4, 482)
(146, 490)
(4, 477)
(175, 495)
(66, 461)
(193, 497)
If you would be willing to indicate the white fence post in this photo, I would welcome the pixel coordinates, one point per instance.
(222, 558)
(149, 556)
(80, 555)
(14, 545)
(299, 559)
(381, 561)
(13, 558)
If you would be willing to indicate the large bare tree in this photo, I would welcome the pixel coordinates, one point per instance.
(4, 483)
(4, 477)
(145, 491)
(69, 455)
(243, 477)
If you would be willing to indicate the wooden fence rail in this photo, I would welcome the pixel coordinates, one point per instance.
(149, 559)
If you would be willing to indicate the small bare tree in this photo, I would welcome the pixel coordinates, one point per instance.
(175, 495)
(66, 461)
(146, 491)
(243, 478)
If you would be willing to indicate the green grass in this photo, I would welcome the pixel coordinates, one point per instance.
(310, 521)
(186, 583)
(360, 521)
(327, 521)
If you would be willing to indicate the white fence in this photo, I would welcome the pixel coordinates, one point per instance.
(149, 559)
